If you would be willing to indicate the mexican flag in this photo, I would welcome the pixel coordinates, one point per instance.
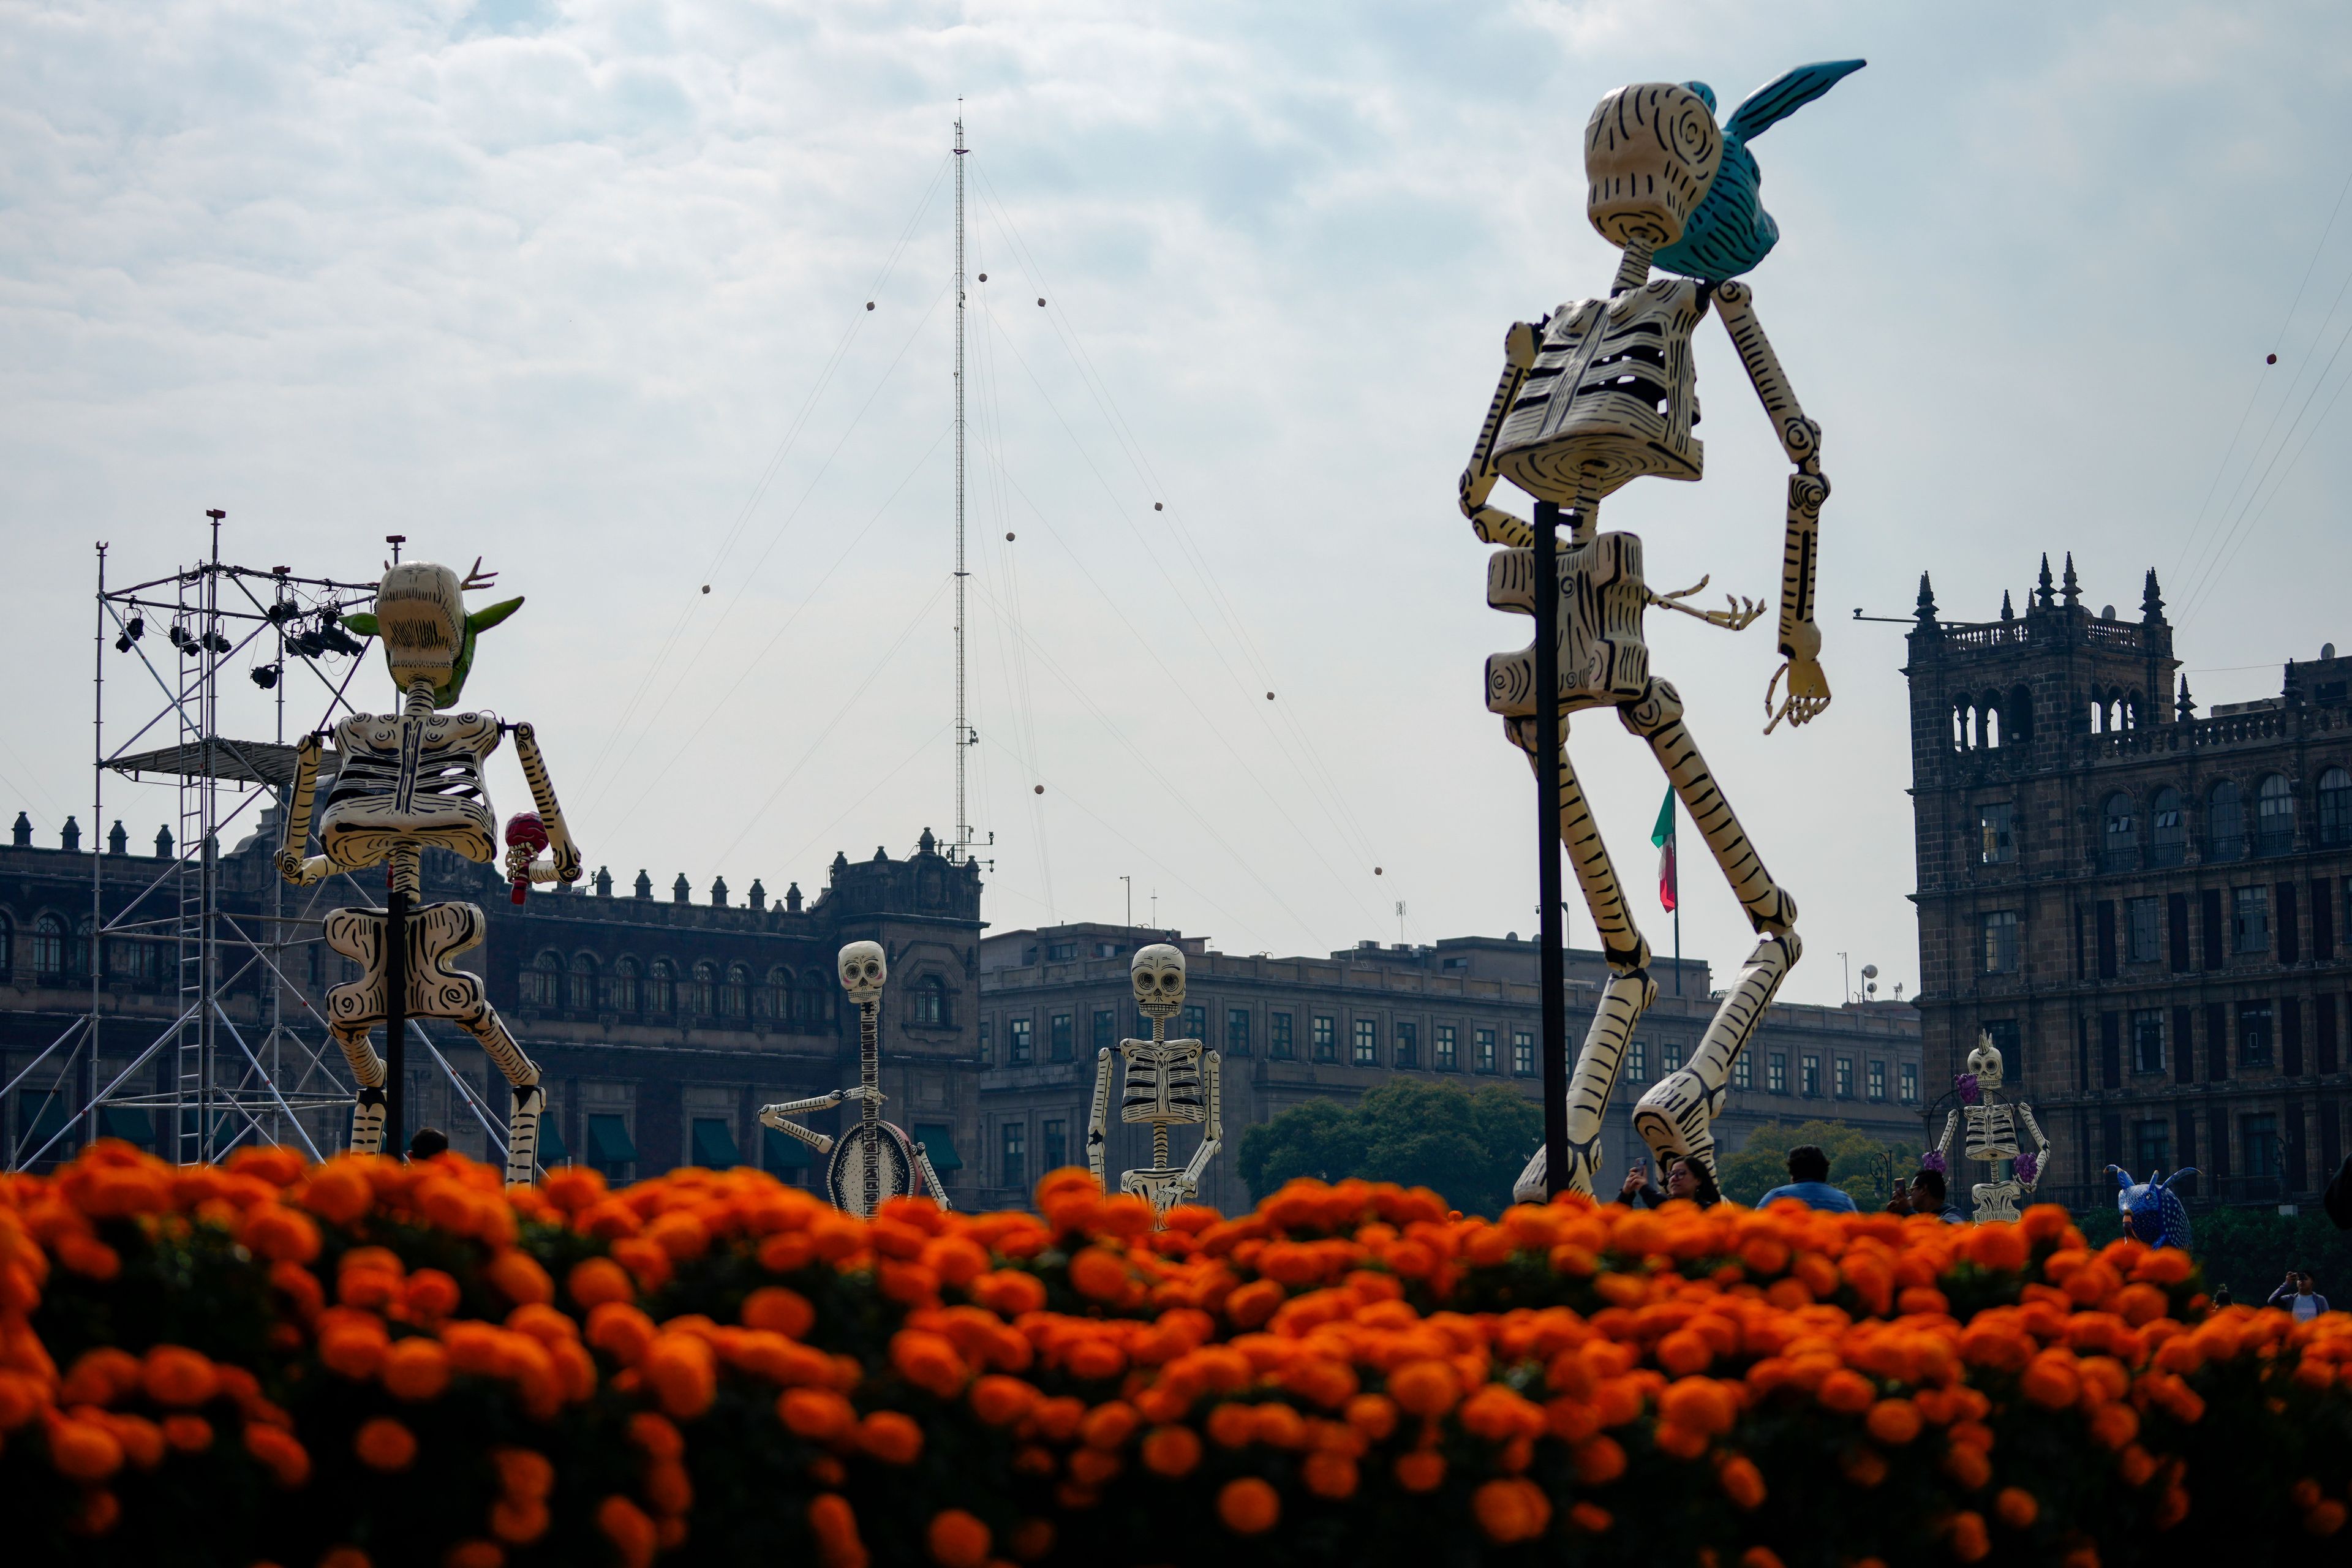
(1663, 836)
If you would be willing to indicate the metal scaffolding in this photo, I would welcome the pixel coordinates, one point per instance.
(221, 1089)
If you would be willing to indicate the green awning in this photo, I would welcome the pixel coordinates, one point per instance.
(714, 1144)
(552, 1150)
(782, 1151)
(939, 1145)
(608, 1140)
(128, 1122)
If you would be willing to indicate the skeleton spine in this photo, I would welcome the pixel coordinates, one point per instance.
(869, 1074)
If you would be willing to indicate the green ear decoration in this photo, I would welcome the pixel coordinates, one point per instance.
(488, 616)
(363, 622)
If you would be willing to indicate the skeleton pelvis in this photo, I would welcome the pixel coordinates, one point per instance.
(436, 934)
(1604, 662)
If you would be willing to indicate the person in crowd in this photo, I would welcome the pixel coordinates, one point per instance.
(1926, 1195)
(2220, 1296)
(2297, 1295)
(1685, 1178)
(1809, 1183)
(427, 1142)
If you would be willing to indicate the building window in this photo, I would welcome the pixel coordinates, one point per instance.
(987, 1042)
(1015, 1165)
(1810, 1075)
(2001, 943)
(814, 998)
(49, 946)
(2254, 1034)
(1279, 1043)
(702, 991)
(542, 982)
(1325, 1037)
(2147, 1040)
(1192, 1024)
(773, 999)
(1016, 1042)
(2152, 1146)
(1408, 1045)
(1106, 1029)
(1910, 1081)
(1637, 1061)
(1842, 1076)
(1061, 952)
(1061, 1035)
(1878, 1080)
(735, 996)
(1523, 1053)
(661, 987)
(932, 1008)
(2335, 806)
(2168, 829)
(2250, 920)
(2120, 846)
(2258, 1136)
(2225, 823)
(1996, 834)
(1670, 1057)
(1054, 1135)
(1483, 1043)
(1446, 1045)
(2143, 930)
(1776, 1072)
(580, 984)
(1743, 1071)
(2273, 816)
(1237, 1031)
(1368, 1043)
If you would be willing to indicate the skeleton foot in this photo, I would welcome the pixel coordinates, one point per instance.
(367, 1122)
(1583, 1162)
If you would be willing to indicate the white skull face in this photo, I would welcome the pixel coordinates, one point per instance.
(420, 614)
(1985, 1062)
(1651, 150)
(864, 968)
(1157, 973)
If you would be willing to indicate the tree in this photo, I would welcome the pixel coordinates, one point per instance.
(1469, 1147)
(1858, 1163)
(2250, 1249)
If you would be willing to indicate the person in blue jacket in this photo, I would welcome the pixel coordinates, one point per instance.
(1809, 1183)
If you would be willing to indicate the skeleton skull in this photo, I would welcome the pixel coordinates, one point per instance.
(1650, 150)
(1157, 972)
(420, 614)
(1985, 1062)
(864, 968)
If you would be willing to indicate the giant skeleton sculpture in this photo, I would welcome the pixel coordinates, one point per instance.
(409, 782)
(1600, 392)
(1167, 1083)
(873, 1160)
(1992, 1136)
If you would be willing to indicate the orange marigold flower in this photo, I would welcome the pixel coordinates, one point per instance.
(667, 1486)
(1597, 1462)
(2114, 1426)
(891, 1438)
(1425, 1388)
(1096, 1360)
(1109, 1426)
(1253, 1303)
(1965, 1464)
(1373, 1415)
(631, 1532)
(1233, 1425)
(1966, 1537)
(1008, 1292)
(1098, 1274)
(519, 1277)
(1865, 1467)
(817, 1414)
(474, 1552)
(656, 1437)
(84, 1450)
(1000, 1401)
(1702, 1404)
(188, 1434)
(1511, 1509)
(779, 1309)
(621, 1332)
(957, 1539)
(2051, 1381)
(431, 1294)
(287, 1462)
(1424, 1470)
(2324, 1519)
(1171, 1451)
(1741, 1481)
(2016, 1508)
(280, 1234)
(1031, 1540)
(1893, 1422)
(519, 1521)
(415, 1369)
(177, 1376)
(1590, 1518)
(524, 1473)
(929, 1361)
(338, 1191)
(383, 1444)
(1329, 1474)
(1249, 1506)
(86, 1256)
(592, 1281)
(345, 1557)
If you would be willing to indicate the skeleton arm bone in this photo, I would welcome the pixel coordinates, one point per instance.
(1944, 1144)
(780, 1118)
(292, 864)
(1492, 524)
(1742, 613)
(551, 813)
(2041, 1146)
(1098, 1121)
(931, 1177)
(1197, 1167)
(1804, 690)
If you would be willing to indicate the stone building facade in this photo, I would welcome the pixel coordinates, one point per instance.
(1463, 1011)
(660, 1024)
(2142, 906)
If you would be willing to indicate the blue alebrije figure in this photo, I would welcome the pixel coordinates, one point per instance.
(1729, 231)
(2152, 1213)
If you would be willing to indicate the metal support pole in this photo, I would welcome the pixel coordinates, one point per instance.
(86, 1090)
(1550, 940)
(395, 1018)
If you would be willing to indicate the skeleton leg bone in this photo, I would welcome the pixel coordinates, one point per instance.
(1676, 1116)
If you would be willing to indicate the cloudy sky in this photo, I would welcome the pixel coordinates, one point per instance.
(582, 288)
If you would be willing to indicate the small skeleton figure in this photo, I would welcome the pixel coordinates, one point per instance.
(411, 780)
(2152, 1212)
(1164, 1086)
(1992, 1136)
(873, 1160)
(1600, 392)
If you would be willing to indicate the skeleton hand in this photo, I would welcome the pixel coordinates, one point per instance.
(1738, 618)
(862, 1093)
(1806, 692)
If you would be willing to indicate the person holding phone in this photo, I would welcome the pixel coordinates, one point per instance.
(1686, 1179)
(2298, 1296)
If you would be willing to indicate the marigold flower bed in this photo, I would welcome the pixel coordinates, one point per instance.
(368, 1364)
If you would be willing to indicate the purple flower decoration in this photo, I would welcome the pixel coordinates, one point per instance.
(1970, 1093)
(1933, 1159)
(2027, 1165)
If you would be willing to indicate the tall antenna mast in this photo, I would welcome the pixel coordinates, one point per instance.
(962, 851)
